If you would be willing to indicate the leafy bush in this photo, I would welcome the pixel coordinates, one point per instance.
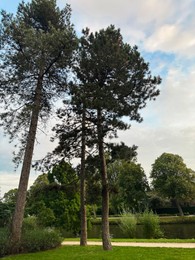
(29, 223)
(3, 241)
(33, 240)
(40, 239)
(128, 223)
(151, 225)
(46, 217)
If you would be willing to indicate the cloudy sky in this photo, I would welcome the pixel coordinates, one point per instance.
(164, 31)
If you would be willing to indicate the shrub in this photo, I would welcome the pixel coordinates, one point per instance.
(128, 223)
(46, 217)
(33, 240)
(29, 223)
(151, 225)
(40, 239)
(3, 241)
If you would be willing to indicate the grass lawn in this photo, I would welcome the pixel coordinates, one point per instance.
(118, 253)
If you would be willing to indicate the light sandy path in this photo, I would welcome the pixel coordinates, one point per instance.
(139, 244)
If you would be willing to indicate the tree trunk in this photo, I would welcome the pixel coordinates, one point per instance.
(16, 227)
(179, 208)
(105, 189)
(83, 238)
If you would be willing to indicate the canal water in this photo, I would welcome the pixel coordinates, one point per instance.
(182, 231)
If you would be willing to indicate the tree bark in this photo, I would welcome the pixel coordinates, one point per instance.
(16, 226)
(83, 238)
(179, 208)
(105, 189)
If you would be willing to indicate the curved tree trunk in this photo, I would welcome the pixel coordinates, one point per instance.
(105, 189)
(83, 239)
(179, 208)
(16, 227)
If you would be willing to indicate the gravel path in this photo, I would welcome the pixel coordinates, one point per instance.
(138, 244)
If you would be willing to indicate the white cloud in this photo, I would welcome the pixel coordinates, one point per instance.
(152, 142)
(134, 17)
(172, 38)
(10, 181)
(176, 102)
(166, 26)
(169, 122)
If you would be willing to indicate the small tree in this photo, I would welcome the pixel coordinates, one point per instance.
(131, 186)
(172, 179)
(55, 201)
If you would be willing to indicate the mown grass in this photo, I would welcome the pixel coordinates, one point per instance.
(96, 253)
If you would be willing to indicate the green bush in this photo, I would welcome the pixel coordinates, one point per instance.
(151, 225)
(3, 241)
(40, 239)
(32, 240)
(127, 224)
(46, 217)
(29, 223)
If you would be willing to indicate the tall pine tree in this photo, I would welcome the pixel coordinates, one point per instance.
(36, 53)
(117, 83)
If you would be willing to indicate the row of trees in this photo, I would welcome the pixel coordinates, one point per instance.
(54, 198)
(101, 78)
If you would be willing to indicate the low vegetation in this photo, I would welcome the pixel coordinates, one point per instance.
(128, 223)
(149, 221)
(162, 220)
(151, 225)
(96, 252)
(33, 239)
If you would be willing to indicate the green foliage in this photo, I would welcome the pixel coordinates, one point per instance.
(149, 220)
(61, 205)
(10, 197)
(4, 241)
(5, 213)
(40, 239)
(36, 49)
(172, 179)
(56, 202)
(151, 225)
(129, 184)
(37, 44)
(30, 223)
(7, 205)
(33, 239)
(115, 76)
(63, 173)
(93, 181)
(122, 152)
(127, 224)
(46, 217)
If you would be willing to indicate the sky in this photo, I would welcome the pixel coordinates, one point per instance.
(164, 31)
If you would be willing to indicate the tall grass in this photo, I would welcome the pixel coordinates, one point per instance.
(149, 221)
(151, 225)
(127, 224)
